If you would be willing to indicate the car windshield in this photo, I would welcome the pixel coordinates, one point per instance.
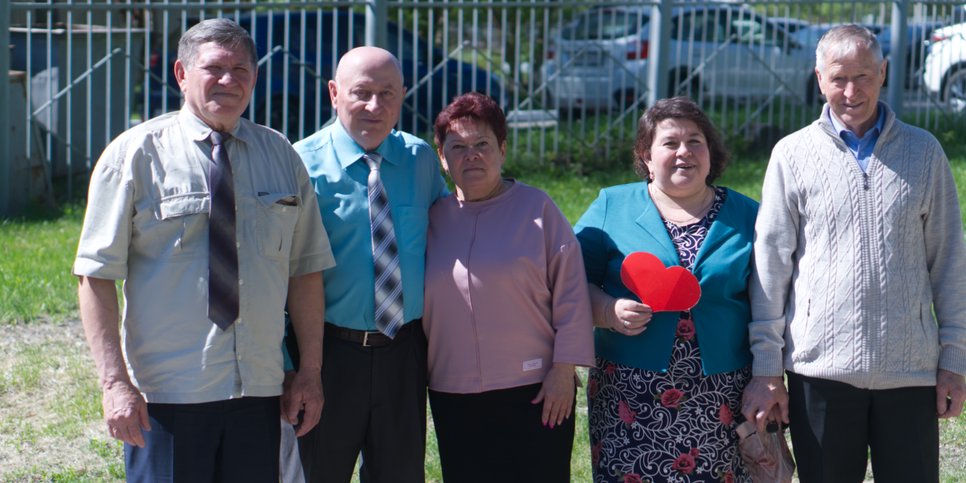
(606, 24)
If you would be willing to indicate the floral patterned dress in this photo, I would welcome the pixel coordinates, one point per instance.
(677, 426)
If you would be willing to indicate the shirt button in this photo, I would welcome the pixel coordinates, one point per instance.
(237, 244)
(241, 282)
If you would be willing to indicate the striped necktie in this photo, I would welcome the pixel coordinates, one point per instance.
(388, 287)
(222, 246)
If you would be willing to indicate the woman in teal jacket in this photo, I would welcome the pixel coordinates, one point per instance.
(666, 384)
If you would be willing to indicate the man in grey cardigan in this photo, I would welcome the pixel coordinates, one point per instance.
(859, 291)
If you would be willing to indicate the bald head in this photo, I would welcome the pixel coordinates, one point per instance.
(367, 94)
(365, 59)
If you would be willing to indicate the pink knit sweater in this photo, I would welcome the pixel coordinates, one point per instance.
(506, 293)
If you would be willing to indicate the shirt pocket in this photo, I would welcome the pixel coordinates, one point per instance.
(807, 335)
(182, 223)
(275, 225)
(925, 339)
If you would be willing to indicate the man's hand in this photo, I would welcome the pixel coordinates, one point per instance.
(306, 306)
(950, 393)
(557, 394)
(303, 393)
(765, 399)
(125, 413)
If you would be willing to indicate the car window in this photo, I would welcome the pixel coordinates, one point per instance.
(751, 31)
(700, 26)
(606, 24)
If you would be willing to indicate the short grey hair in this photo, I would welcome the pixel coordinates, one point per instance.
(221, 31)
(845, 40)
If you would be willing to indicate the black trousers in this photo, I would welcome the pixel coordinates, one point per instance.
(223, 441)
(498, 436)
(375, 403)
(835, 426)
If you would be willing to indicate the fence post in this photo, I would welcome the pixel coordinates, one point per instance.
(657, 58)
(897, 60)
(377, 15)
(6, 161)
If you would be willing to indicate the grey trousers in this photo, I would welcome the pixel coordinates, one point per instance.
(289, 463)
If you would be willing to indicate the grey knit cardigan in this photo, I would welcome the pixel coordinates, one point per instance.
(859, 277)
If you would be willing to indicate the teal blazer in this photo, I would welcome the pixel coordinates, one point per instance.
(622, 220)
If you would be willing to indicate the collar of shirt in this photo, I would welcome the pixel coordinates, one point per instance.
(349, 151)
(196, 130)
(861, 148)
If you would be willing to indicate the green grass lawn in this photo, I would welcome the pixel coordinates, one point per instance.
(48, 391)
(38, 252)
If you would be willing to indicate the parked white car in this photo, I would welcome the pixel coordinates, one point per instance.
(599, 61)
(945, 66)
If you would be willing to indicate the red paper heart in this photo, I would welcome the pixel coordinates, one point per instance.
(663, 289)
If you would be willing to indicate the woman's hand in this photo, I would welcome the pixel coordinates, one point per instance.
(628, 317)
(557, 394)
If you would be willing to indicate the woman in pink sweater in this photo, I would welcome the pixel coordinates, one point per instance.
(507, 312)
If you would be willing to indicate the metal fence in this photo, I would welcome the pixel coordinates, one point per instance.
(572, 76)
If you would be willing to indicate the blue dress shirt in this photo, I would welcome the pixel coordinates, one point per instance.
(411, 176)
(862, 147)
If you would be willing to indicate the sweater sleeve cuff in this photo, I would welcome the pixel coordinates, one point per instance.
(768, 364)
(953, 360)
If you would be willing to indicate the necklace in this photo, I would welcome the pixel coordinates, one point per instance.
(691, 218)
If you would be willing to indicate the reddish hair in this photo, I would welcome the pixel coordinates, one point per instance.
(472, 105)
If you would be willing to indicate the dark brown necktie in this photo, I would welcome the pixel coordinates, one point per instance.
(222, 246)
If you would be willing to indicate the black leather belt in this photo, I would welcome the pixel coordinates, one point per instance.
(365, 338)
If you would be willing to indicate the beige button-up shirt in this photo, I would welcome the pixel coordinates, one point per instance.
(147, 223)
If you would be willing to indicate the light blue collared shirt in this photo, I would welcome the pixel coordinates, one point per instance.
(862, 147)
(411, 176)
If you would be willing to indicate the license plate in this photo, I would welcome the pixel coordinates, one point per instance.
(589, 58)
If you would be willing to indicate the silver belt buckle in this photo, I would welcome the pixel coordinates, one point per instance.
(365, 339)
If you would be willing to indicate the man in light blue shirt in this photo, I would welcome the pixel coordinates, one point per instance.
(375, 383)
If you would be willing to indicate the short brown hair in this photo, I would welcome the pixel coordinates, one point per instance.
(678, 108)
(221, 31)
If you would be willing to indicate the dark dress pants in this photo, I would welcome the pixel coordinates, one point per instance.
(835, 426)
(499, 436)
(375, 402)
(223, 441)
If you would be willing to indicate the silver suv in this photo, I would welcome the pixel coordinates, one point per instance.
(945, 66)
(599, 61)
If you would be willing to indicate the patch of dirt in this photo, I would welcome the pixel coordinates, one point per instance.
(40, 392)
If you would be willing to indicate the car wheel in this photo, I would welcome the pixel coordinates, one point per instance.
(692, 89)
(570, 113)
(954, 90)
